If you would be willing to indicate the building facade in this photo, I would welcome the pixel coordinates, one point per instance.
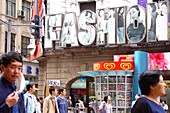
(62, 61)
(16, 14)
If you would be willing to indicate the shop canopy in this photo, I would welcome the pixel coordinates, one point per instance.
(107, 68)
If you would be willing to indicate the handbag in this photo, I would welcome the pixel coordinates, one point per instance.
(103, 110)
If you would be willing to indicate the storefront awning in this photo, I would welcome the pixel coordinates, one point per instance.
(105, 72)
(92, 73)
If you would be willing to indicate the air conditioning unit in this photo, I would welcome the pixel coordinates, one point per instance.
(21, 13)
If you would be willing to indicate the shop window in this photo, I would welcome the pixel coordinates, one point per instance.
(117, 84)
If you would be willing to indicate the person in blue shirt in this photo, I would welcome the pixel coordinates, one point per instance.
(152, 87)
(10, 66)
(61, 101)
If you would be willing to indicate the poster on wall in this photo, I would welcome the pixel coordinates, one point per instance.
(152, 14)
(162, 22)
(136, 24)
(111, 25)
(159, 61)
(119, 58)
(121, 11)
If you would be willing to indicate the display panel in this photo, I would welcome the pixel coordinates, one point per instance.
(117, 84)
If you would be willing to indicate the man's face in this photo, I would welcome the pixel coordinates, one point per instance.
(12, 71)
(64, 92)
(33, 89)
(54, 93)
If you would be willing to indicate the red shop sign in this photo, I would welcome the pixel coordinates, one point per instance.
(126, 65)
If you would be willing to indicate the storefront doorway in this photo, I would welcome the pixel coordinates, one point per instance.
(83, 88)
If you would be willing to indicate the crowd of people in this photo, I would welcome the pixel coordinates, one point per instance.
(13, 101)
(151, 84)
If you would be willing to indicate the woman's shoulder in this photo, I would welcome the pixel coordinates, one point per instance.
(142, 99)
(141, 105)
(141, 102)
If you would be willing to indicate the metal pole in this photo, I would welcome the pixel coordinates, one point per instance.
(3, 22)
(36, 7)
(9, 36)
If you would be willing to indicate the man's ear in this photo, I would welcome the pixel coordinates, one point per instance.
(151, 87)
(2, 67)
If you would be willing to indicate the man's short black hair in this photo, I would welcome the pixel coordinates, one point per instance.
(9, 57)
(60, 90)
(29, 86)
(51, 89)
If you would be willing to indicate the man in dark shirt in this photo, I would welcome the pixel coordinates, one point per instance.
(10, 67)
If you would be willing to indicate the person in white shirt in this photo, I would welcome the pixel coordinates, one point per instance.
(164, 105)
(38, 106)
(106, 104)
(81, 104)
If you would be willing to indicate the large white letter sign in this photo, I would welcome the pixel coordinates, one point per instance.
(152, 14)
(121, 11)
(162, 22)
(69, 30)
(136, 24)
(111, 26)
(101, 27)
(53, 29)
(87, 33)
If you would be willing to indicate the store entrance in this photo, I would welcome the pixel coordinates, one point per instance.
(83, 88)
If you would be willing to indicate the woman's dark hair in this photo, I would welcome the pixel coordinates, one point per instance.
(119, 10)
(52, 88)
(148, 78)
(137, 8)
(105, 98)
(99, 11)
(88, 12)
(153, 6)
(111, 9)
(163, 3)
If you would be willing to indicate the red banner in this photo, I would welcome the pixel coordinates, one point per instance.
(128, 65)
(36, 52)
